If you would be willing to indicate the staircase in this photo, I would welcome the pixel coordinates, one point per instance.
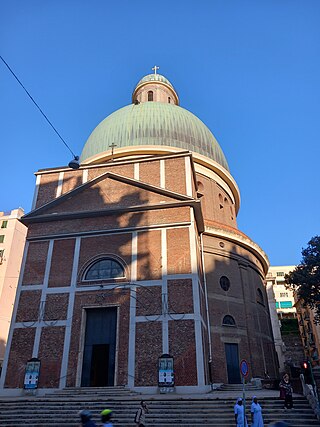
(61, 409)
(232, 388)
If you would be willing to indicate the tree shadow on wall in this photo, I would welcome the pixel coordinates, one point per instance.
(102, 211)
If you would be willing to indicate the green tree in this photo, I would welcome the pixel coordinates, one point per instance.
(305, 278)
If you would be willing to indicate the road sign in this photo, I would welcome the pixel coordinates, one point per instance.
(244, 368)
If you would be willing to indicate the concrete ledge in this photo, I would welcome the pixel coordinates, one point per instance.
(20, 392)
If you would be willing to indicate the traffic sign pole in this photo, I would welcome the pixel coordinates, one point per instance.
(244, 400)
(244, 371)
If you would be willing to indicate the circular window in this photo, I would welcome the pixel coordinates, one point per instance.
(228, 321)
(224, 283)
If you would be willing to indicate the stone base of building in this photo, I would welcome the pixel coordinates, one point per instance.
(19, 392)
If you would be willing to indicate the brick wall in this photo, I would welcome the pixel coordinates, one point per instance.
(175, 173)
(35, 263)
(111, 222)
(28, 308)
(20, 353)
(71, 180)
(149, 172)
(149, 301)
(123, 170)
(149, 255)
(180, 296)
(182, 348)
(50, 352)
(216, 203)
(56, 307)
(47, 189)
(148, 350)
(61, 263)
(253, 328)
(178, 251)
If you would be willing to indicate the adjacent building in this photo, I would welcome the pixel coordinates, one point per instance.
(12, 241)
(136, 255)
(284, 297)
(283, 311)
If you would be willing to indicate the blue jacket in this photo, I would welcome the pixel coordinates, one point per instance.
(89, 423)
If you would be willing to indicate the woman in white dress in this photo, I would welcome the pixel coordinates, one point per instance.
(256, 413)
(238, 414)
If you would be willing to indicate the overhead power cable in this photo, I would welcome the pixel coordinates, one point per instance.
(15, 76)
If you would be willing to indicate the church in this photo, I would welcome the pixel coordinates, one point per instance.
(135, 257)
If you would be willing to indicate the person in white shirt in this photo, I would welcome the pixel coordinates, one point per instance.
(256, 413)
(140, 418)
(239, 414)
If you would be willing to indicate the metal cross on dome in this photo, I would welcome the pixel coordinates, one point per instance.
(155, 68)
(112, 146)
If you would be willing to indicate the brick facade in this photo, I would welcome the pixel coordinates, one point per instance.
(163, 302)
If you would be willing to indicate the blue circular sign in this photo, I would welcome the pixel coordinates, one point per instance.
(244, 368)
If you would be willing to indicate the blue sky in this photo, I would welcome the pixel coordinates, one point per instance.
(248, 69)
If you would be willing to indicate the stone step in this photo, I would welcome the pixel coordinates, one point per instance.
(181, 421)
(159, 406)
(239, 387)
(174, 410)
(161, 424)
(172, 416)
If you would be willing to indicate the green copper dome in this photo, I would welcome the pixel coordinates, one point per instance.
(154, 78)
(153, 123)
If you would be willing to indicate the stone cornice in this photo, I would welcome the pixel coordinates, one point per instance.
(242, 240)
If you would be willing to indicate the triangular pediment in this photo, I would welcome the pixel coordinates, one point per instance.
(107, 192)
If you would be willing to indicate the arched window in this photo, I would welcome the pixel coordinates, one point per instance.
(221, 201)
(224, 283)
(169, 99)
(260, 296)
(231, 211)
(104, 269)
(150, 95)
(200, 186)
(228, 321)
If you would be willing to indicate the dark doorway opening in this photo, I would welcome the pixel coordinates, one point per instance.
(233, 365)
(99, 365)
(99, 350)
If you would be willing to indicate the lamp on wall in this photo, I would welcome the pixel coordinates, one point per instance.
(74, 164)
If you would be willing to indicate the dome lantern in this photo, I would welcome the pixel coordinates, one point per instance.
(155, 88)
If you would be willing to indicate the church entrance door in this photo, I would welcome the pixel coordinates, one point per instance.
(233, 368)
(99, 348)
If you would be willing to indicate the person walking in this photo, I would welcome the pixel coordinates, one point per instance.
(256, 413)
(140, 417)
(286, 391)
(239, 414)
(85, 417)
(106, 415)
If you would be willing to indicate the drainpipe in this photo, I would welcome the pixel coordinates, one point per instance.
(207, 306)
